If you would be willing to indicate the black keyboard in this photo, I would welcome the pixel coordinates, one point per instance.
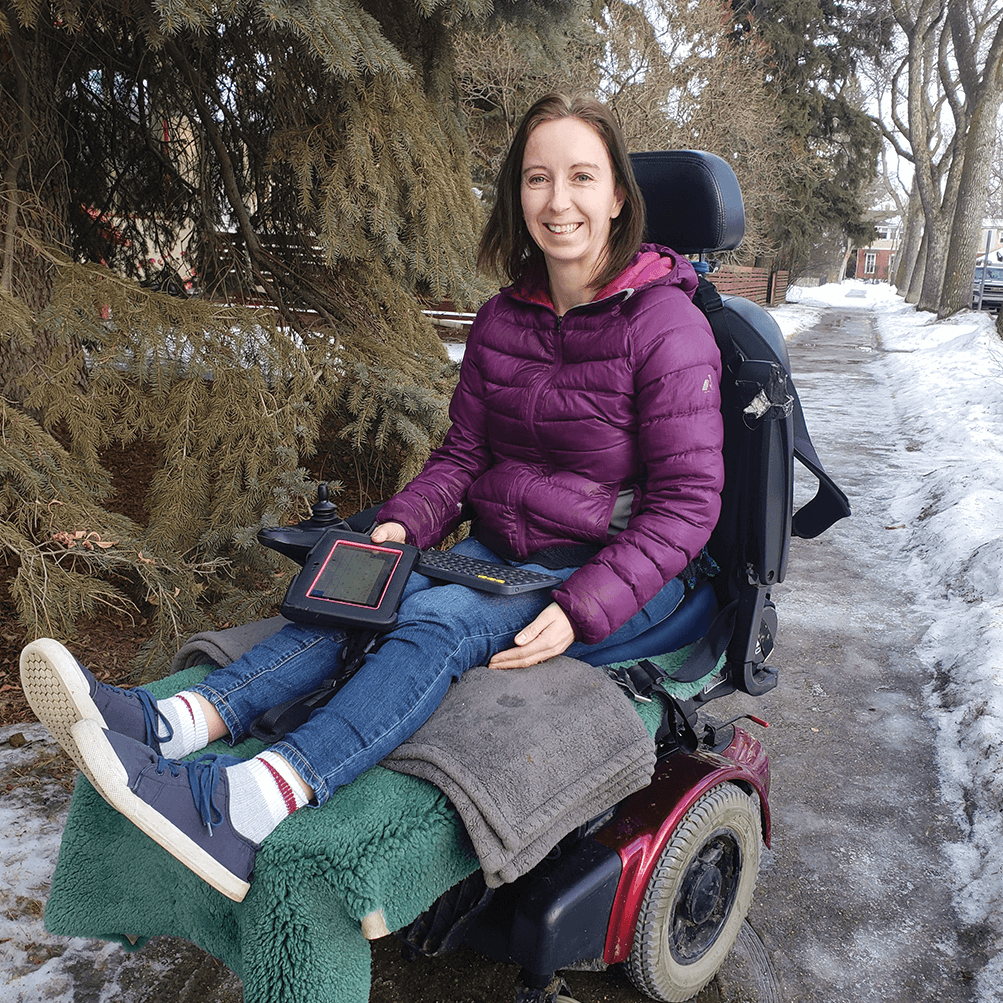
(487, 576)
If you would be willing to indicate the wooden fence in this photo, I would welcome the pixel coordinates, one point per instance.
(757, 284)
(226, 274)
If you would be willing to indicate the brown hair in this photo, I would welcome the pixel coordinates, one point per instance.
(506, 246)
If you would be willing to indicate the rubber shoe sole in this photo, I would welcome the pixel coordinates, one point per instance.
(59, 694)
(111, 780)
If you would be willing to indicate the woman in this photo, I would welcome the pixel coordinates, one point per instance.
(586, 439)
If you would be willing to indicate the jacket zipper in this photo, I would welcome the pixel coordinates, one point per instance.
(531, 414)
(545, 382)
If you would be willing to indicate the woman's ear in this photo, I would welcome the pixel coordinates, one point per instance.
(619, 199)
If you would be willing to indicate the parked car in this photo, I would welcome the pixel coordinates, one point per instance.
(990, 295)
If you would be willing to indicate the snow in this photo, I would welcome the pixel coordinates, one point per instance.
(947, 377)
(31, 820)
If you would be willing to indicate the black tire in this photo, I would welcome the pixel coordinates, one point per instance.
(698, 896)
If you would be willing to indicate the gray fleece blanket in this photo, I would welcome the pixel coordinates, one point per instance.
(524, 755)
(221, 647)
(527, 755)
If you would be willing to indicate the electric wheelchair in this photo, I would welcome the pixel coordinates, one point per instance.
(663, 882)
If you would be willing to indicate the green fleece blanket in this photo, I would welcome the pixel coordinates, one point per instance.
(386, 841)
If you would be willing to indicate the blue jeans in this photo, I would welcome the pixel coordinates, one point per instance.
(442, 630)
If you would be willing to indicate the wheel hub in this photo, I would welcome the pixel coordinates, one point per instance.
(705, 897)
(704, 894)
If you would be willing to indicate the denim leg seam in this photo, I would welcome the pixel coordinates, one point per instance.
(278, 665)
(304, 769)
(218, 701)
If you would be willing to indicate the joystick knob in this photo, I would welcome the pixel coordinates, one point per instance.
(324, 511)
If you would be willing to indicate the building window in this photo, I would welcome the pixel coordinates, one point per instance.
(870, 259)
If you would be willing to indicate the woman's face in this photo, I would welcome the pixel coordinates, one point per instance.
(569, 196)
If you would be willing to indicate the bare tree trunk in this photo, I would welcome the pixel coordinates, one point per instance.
(969, 216)
(916, 279)
(35, 191)
(984, 96)
(11, 195)
(938, 211)
(911, 242)
(939, 235)
(923, 29)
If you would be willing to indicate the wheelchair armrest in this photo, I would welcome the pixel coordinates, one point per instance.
(364, 521)
(298, 540)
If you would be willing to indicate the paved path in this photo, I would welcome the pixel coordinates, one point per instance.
(852, 903)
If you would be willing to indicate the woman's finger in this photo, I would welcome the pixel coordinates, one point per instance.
(389, 531)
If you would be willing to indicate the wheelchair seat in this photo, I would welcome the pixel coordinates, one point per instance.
(688, 623)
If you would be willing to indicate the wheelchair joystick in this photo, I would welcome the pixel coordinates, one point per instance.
(297, 541)
(324, 511)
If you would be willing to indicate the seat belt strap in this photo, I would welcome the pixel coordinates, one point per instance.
(829, 504)
(706, 653)
(286, 717)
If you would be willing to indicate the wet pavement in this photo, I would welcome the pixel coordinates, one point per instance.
(852, 902)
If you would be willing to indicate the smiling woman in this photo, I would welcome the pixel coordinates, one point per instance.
(508, 247)
(569, 200)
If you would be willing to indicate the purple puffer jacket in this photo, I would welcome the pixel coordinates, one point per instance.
(554, 418)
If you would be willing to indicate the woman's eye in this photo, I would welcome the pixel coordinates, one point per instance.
(536, 179)
(583, 178)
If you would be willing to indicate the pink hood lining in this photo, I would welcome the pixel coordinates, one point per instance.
(647, 266)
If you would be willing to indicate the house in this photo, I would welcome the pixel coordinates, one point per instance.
(876, 262)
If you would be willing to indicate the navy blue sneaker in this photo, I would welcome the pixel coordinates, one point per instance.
(183, 806)
(61, 692)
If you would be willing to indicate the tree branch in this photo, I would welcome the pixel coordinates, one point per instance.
(259, 254)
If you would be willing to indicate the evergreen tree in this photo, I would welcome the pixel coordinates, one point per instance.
(306, 167)
(815, 48)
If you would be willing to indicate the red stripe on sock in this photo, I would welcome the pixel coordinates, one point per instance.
(284, 789)
(184, 700)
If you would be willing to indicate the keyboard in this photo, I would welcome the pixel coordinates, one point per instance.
(502, 579)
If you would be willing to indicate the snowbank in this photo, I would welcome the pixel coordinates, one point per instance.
(947, 380)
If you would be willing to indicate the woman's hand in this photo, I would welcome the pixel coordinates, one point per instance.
(548, 635)
(389, 532)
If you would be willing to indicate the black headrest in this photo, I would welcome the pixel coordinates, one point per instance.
(693, 199)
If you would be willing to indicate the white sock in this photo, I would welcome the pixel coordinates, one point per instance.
(191, 730)
(263, 791)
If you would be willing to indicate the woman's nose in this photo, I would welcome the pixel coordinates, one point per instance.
(560, 196)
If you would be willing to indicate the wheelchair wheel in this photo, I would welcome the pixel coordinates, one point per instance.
(698, 896)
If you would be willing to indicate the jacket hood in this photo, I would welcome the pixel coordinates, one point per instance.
(652, 263)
